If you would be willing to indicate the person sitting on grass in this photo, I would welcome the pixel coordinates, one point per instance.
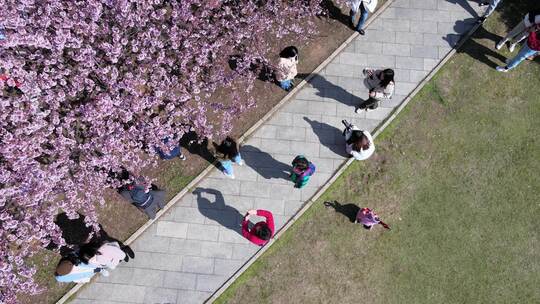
(261, 232)
(359, 144)
(228, 152)
(148, 200)
(286, 68)
(368, 218)
(302, 170)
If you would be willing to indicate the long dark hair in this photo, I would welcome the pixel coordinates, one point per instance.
(358, 140)
(263, 232)
(228, 147)
(388, 76)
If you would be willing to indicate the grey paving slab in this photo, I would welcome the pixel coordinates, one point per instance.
(193, 249)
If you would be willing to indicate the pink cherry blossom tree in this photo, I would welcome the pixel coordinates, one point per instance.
(91, 86)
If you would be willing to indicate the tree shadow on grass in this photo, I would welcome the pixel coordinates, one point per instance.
(329, 136)
(348, 210)
(264, 164)
(217, 210)
(475, 49)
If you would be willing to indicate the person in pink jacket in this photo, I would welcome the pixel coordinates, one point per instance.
(261, 232)
(368, 218)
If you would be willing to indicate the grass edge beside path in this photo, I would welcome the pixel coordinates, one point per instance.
(310, 285)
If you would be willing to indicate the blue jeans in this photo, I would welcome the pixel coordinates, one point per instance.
(364, 13)
(286, 84)
(492, 6)
(226, 165)
(522, 55)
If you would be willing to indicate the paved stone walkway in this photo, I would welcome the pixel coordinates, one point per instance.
(192, 250)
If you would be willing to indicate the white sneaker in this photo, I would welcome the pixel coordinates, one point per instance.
(503, 69)
(500, 44)
(358, 110)
(512, 47)
(241, 163)
(104, 272)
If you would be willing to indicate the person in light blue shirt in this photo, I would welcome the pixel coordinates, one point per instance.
(67, 272)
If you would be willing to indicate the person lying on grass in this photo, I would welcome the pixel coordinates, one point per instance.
(261, 232)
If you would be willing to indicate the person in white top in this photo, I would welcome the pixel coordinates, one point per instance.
(359, 144)
(286, 68)
(108, 255)
(365, 7)
(381, 86)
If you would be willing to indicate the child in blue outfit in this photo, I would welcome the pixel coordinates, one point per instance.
(303, 169)
(228, 153)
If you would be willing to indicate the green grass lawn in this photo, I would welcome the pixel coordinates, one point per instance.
(457, 177)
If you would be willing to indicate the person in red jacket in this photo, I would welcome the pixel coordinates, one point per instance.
(261, 232)
(530, 48)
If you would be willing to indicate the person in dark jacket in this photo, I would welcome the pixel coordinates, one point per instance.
(150, 201)
(78, 236)
(228, 152)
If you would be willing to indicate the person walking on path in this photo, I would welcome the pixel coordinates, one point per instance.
(530, 48)
(520, 31)
(359, 144)
(302, 170)
(286, 68)
(228, 152)
(261, 232)
(365, 7)
(381, 86)
(150, 201)
(491, 6)
(368, 218)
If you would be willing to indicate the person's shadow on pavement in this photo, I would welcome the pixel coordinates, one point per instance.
(216, 210)
(329, 136)
(264, 164)
(473, 48)
(348, 210)
(467, 6)
(329, 90)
